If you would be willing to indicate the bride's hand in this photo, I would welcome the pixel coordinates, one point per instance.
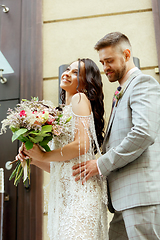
(21, 156)
(35, 153)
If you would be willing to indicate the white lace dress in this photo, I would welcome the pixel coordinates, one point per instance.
(76, 211)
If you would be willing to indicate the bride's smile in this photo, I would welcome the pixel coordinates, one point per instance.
(65, 79)
(69, 81)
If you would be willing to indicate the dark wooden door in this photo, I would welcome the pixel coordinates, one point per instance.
(10, 37)
(23, 50)
(7, 153)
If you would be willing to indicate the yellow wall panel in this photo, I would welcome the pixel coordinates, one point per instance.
(152, 73)
(55, 9)
(50, 91)
(64, 42)
(45, 235)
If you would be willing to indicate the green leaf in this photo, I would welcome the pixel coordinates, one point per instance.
(18, 133)
(13, 129)
(33, 132)
(45, 141)
(32, 139)
(47, 148)
(46, 128)
(68, 119)
(29, 145)
(44, 134)
(36, 139)
(22, 139)
(35, 98)
(38, 134)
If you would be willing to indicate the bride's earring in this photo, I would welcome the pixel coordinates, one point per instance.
(85, 91)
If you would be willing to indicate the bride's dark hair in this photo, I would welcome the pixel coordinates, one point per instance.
(93, 91)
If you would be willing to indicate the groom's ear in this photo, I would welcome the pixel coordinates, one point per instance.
(127, 54)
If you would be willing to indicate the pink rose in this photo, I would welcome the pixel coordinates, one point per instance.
(22, 113)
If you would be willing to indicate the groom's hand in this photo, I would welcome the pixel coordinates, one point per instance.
(85, 170)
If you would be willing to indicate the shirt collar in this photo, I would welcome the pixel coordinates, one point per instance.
(128, 74)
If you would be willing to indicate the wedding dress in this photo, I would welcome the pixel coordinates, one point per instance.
(76, 211)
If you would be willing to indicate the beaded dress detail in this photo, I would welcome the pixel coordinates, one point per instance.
(76, 211)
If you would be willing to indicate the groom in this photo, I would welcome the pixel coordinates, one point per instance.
(131, 148)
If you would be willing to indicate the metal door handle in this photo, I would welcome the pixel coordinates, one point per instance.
(8, 165)
(5, 9)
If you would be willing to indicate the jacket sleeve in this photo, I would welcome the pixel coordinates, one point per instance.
(144, 104)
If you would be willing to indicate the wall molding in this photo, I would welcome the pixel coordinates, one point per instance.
(98, 15)
(141, 68)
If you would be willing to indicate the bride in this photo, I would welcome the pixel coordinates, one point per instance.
(76, 211)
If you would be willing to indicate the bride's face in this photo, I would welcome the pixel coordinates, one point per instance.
(69, 81)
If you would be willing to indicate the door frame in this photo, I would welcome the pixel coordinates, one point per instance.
(30, 214)
(156, 18)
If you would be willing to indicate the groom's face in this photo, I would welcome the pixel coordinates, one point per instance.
(113, 61)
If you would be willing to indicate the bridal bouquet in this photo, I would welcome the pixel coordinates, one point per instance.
(33, 122)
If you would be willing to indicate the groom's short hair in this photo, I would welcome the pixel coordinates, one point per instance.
(112, 39)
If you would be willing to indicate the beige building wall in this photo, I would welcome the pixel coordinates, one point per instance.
(71, 28)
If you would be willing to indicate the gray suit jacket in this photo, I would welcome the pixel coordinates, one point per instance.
(132, 145)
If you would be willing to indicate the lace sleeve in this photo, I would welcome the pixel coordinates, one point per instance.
(89, 133)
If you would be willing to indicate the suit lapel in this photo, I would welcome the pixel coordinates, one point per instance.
(129, 80)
